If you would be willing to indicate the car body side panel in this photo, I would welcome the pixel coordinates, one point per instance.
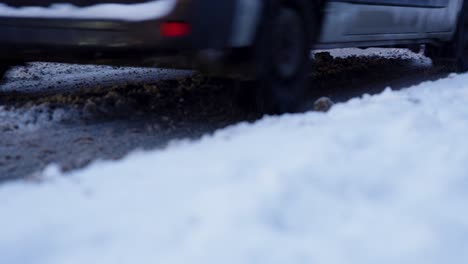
(247, 15)
(445, 19)
(408, 3)
(355, 21)
(347, 22)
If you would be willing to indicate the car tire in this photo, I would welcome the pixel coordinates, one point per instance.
(454, 54)
(3, 70)
(281, 57)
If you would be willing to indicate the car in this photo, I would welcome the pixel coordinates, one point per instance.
(269, 41)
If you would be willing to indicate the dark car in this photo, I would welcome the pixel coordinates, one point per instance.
(266, 40)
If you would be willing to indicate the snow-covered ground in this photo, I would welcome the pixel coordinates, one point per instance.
(379, 179)
(30, 119)
(54, 77)
(51, 78)
(380, 52)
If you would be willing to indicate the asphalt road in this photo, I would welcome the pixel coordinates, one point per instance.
(72, 115)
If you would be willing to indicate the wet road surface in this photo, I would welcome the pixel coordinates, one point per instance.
(72, 115)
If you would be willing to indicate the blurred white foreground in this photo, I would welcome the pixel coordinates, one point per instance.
(381, 179)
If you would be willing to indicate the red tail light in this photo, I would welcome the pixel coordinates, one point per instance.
(175, 29)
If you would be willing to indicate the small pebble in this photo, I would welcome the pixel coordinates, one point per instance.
(323, 104)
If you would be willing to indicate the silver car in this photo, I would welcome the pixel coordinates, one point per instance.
(266, 40)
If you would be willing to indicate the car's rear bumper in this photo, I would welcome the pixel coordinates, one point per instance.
(75, 39)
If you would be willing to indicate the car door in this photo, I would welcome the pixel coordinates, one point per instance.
(371, 21)
(393, 16)
(443, 19)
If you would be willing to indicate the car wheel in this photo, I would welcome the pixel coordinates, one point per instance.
(3, 70)
(282, 58)
(453, 54)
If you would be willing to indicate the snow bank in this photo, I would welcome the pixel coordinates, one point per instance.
(381, 179)
(131, 12)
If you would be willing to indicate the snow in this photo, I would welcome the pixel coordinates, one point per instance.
(60, 77)
(44, 78)
(32, 118)
(390, 53)
(379, 179)
(111, 11)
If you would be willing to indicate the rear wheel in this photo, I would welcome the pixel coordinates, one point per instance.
(453, 54)
(3, 70)
(282, 58)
